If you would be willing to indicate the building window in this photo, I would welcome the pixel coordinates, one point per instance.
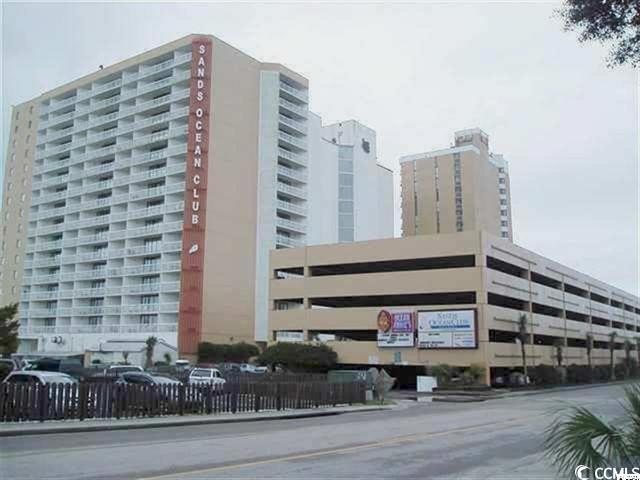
(149, 299)
(148, 319)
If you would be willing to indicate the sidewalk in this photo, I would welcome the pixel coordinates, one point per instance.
(496, 394)
(91, 425)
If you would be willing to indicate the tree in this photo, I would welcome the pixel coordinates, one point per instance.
(9, 330)
(167, 358)
(523, 336)
(151, 345)
(299, 356)
(578, 437)
(616, 22)
(559, 346)
(216, 352)
(589, 346)
(612, 349)
(638, 349)
(125, 358)
(627, 357)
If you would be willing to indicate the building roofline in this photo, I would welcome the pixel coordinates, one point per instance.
(439, 153)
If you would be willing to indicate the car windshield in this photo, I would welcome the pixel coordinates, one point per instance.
(200, 372)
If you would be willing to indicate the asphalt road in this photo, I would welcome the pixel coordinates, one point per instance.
(495, 439)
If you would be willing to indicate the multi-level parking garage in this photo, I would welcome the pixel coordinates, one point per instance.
(340, 290)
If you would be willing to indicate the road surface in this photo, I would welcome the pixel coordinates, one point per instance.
(495, 439)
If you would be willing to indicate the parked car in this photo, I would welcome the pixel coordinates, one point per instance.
(206, 375)
(248, 368)
(35, 376)
(141, 378)
(119, 369)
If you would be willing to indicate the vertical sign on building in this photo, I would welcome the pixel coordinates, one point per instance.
(195, 199)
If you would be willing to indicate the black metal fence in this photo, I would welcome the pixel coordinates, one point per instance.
(35, 402)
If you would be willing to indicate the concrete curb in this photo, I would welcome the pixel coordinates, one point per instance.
(44, 429)
(566, 389)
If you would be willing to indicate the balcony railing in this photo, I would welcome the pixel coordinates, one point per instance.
(290, 140)
(291, 207)
(293, 191)
(292, 157)
(302, 95)
(288, 241)
(291, 107)
(298, 175)
(291, 225)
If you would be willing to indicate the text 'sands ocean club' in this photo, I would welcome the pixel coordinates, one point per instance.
(193, 235)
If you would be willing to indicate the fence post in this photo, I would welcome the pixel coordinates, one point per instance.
(256, 397)
(44, 397)
(181, 400)
(234, 390)
(278, 396)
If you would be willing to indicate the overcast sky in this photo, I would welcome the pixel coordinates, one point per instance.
(415, 74)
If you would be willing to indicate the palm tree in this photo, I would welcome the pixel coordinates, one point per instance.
(523, 336)
(612, 348)
(579, 437)
(151, 345)
(559, 351)
(589, 345)
(627, 357)
(559, 345)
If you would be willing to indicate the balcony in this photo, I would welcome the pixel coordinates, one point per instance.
(293, 157)
(295, 93)
(154, 248)
(150, 308)
(290, 173)
(292, 191)
(292, 109)
(40, 295)
(290, 141)
(289, 207)
(288, 241)
(57, 105)
(290, 225)
(290, 124)
(38, 279)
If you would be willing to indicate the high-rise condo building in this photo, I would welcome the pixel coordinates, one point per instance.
(143, 199)
(461, 188)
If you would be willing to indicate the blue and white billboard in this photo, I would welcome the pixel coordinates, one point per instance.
(447, 329)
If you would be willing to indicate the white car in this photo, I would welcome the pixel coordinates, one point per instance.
(206, 375)
(36, 376)
(248, 368)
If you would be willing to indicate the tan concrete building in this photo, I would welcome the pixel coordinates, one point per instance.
(143, 199)
(461, 188)
(16, 200)
(465, 293)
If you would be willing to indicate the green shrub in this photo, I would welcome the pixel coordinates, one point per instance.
(237, 352)
(4, 371)
(545, 375)
(620, 370)
(299, 356)
(443, 372)
(477, 372)
(601, 373)
(579, 374)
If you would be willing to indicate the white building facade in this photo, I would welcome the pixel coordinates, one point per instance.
(157, 188)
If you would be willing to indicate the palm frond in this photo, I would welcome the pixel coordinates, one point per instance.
(632, 409)
(578, 437)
